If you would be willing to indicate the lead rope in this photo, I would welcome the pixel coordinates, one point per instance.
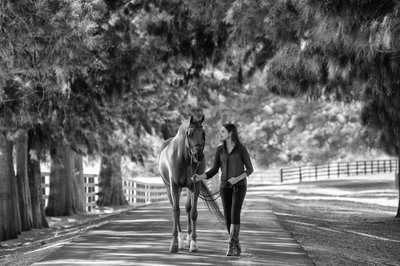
(202, 196)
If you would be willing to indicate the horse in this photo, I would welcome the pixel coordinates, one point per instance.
(179, 159)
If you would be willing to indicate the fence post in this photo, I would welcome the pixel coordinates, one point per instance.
(379, 169)
(384, 166)
(348, 169)
(329, 170)
(134, 192)
(147, 197)
(365, 167)
(281, 175)
(338, 170)
(356, 167)
(300, 174)
(88, 198)
(390, 165)
(372, 167)
(316, 172)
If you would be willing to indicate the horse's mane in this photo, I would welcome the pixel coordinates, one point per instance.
(165, 143)
(181, 130)
(183, 126)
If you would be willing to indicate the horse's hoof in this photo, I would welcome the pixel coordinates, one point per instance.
(181, 241)
(193, 246)
(174, 248)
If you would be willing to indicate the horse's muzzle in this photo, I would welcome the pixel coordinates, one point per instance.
(197, 154)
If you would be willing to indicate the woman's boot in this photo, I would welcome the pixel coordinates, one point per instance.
(231, 244)
(237, 249)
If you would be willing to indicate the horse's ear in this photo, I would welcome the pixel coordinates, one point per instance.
(196, 119)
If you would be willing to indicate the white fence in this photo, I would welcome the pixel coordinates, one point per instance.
(137, 191)
(144, 190)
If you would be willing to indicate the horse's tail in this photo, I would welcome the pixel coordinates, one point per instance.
(211, 203)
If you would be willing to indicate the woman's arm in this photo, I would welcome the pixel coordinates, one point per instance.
(213, 170)
(247, 162)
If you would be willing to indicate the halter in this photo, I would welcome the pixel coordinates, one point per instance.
(196, 125)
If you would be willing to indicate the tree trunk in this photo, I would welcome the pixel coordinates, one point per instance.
(111, 187)
(80, 195)
(398, 187)
(62, 182)
(35, 182)
(10, 225)
(25, 205)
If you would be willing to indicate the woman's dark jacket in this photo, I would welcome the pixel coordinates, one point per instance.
(232, 164)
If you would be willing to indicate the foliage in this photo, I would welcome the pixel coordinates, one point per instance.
(282, 131)
(102, 74)
(331, 50)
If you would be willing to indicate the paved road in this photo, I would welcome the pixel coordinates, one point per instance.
(142, 237)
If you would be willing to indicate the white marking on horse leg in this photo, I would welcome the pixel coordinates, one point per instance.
(181, 241)
(193, 246)
(188, 237)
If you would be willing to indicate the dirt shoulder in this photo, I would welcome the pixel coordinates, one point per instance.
(342, 222)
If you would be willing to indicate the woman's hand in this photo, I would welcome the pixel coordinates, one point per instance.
(197, 177)
(233, 180)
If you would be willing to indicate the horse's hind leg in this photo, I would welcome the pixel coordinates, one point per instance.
(175, 194)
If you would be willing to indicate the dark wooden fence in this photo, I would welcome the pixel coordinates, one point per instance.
(337, 170)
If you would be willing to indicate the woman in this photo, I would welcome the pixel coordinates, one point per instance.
(234, 160)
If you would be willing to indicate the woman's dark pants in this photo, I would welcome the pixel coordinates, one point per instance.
(232, 200)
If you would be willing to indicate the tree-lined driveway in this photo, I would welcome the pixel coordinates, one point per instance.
(142, 237)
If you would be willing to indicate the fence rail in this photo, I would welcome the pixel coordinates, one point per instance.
(337, 170)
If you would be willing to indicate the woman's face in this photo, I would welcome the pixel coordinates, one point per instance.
(224, 134)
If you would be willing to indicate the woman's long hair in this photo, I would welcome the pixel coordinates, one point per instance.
(235, 136)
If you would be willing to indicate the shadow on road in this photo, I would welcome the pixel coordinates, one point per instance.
(142, 237)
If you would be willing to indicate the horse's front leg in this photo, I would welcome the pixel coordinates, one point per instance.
(188, 207)
(176, 232)
(193, 217)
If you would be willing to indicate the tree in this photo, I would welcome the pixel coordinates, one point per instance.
(24, 194)
(111, 193)
(35, 180)
(359, 52)
(79, 190)
(63, 182)
(10, 225)
(42, 42)
(66, 183)
(334, 50)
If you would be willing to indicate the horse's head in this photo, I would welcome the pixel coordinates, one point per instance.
(196, 138)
